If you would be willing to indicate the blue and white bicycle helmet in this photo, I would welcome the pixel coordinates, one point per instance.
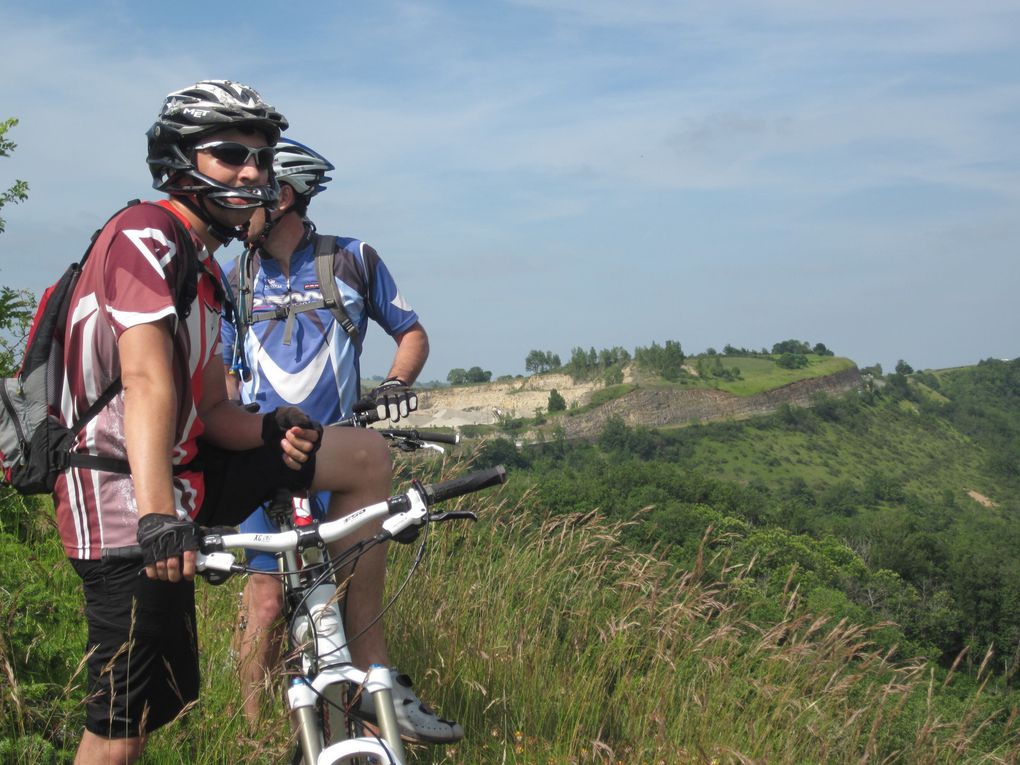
(301, 168)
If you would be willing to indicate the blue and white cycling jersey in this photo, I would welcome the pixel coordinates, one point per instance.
(320, 370)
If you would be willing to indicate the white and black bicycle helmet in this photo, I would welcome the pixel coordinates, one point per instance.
(189, 115)
(301, 168)
(304, 170)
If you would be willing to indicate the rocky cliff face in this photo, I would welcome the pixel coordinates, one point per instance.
(656, 407)
(485, 404)
(652, 407)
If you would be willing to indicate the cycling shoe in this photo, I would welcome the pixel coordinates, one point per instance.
(418, 723)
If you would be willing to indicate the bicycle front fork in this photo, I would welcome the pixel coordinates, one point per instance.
(303, 697)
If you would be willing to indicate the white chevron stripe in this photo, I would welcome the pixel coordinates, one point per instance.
(295, 386)
(139, 237)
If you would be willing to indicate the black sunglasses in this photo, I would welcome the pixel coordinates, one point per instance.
(238, 154)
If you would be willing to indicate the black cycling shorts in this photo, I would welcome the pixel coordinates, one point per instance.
(237, 483)
(142, 651)
(142, 645)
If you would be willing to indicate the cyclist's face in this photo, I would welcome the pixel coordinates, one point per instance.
(234, 175)
(246, 174)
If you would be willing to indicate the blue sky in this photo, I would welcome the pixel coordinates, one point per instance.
(582, 172)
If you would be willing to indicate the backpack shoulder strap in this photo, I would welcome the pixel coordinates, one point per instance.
(248, 264)
(325, 258)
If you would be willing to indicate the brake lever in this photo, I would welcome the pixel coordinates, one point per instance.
(453, 515)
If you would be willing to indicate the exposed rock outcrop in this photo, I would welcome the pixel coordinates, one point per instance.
(656, 407)
(652, 407)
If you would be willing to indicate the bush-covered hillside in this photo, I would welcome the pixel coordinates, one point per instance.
(898, 504)
(817, 586)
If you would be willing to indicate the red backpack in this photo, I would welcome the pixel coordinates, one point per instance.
(35, 447)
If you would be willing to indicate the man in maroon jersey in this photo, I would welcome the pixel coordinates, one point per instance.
(195, 456)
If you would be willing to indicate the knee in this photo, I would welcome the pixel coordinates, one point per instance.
(378, 461)
(122, 751)
(371, 460)
(266, 601)
(353, 459)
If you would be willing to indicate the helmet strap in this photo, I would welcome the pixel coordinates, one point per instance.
(260, 239)
(221, 232)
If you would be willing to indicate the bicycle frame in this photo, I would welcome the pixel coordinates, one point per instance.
(316, 626)
(313, 613)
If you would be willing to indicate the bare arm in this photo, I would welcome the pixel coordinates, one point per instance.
(412, 352)
(150, 408)
(232, 427)
(232, 383)
(150, 411)
(226, 424)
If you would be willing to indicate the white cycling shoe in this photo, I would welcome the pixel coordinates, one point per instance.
(418, 723)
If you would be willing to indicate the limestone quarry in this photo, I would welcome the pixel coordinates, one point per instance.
(655, 406)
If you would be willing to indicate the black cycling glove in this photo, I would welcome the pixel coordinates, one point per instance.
(279, 421)
(165, 536)
(392, 400)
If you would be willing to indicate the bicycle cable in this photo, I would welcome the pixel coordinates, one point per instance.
(330, 572)
(334, 568)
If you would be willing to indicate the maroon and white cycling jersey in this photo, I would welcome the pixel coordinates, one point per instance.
(126, 282)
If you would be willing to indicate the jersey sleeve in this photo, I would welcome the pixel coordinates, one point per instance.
(141, 252)
(386, 306)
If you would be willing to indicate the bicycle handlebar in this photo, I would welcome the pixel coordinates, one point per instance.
(465, 484)
(422, 435)
(404, 510)
(362, 419)
(358, 420)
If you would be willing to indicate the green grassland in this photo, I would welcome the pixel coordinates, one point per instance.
(553, 642)
(761, 373)
(923, 455)
(815, 586)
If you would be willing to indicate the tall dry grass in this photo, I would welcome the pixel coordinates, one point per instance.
(553, 642)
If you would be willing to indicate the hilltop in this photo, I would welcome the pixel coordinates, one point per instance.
(641, 399)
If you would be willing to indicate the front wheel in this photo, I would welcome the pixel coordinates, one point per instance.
(362, 751)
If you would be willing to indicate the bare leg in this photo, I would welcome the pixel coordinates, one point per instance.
(364, 602)
(259, 648)
(355, 465)
(96, 750)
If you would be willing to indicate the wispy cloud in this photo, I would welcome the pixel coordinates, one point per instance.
(579, 149)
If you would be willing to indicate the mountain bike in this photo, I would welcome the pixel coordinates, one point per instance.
(323, 685)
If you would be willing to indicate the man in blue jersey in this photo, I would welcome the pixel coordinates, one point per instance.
(298, 350)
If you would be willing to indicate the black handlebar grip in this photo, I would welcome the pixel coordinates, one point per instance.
(439, 438)
(465, 484)
(131, 552)
(360, 419)
(424, 435)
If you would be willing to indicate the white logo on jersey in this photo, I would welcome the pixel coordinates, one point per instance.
(153, 245)
(290, 385)
(294, 298)
(400, 303)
